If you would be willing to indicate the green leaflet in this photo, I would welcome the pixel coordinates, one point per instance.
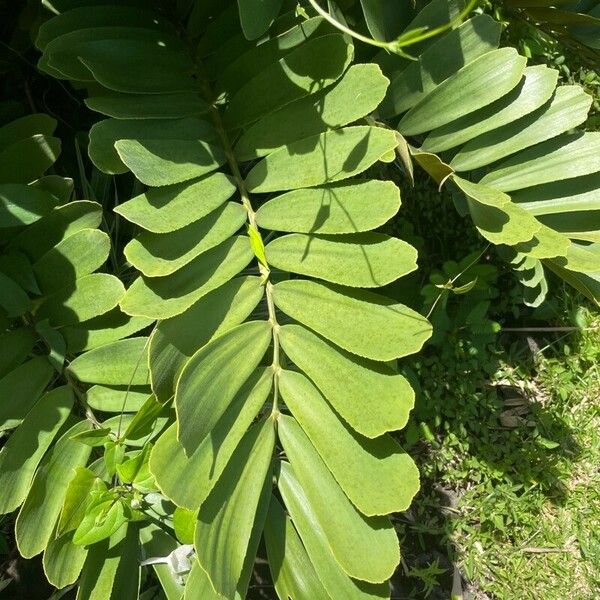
(111, 570)
(14, 302)
(81, 17)
(25, 127)
(20, 389)
(384, 19)
(149, 106)
(224, 529)
(61, 223)
(40, 512)
(79, 495)
(567, 109)
(335, 580)
(290, 78)
(571, 155)
(561, 197)
(293, 574)
(256, 16)
(477, 84)
(497, 218)
(139, 67)
(343, 378)
(117, 398)
(28, 159)
(166, 209)
(365, 547)
(27, 445)
(187, 480)
(15, 346)
(63, 561)
(339, 208)
(104, 329)
(442, 59)
(319, 159)
(380, 479)
(212, 377)
(62, 56)
(87, 297)
(164, 162)
(176, 339)
(164, 297)
(532, 92)
(104, 135)
(358, 260)
(162, 254)
(76, 256)
(356, 94)
(245, 62)
(121, 363)
(23, 205)
(381, 329)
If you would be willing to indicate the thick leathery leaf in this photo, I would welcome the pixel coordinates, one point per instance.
(117, 398)
(384, 19)
(440, 61)
(477, 84)
(62, 56)
(22, 204)
(187, 481)
(20, 389)
(157, 254)
(169, 208)
(245, 61)
(532, 92)
(87, 297)
(63, 560)
(213, 376)
(568, 108)
(76, 256)
(561, 196)
(357, 260)
(339, 208)
(365, 547)
(176, 339)
(355, 95)
(381, 329)
(104, 329)
(81, 17)
(293, 574)
(290, 78)
(28, 158)
(25, 127)
(104, 135)
(58, 225)
(25, 448)
(164, 162)
(566, 157)
(227, 517)
(148, 106)
(164, 297)
(124, 362)
(14, 301)
(38, 515)
(256, 16)
(335, 580)
(139, 67)
(111, 569)
(15, 346)
(496, 217)
(319, 159)
(380, 479)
